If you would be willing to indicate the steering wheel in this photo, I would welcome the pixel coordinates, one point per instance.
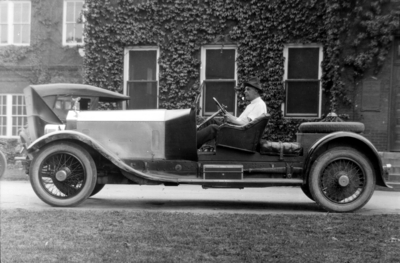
(219, 106)
(221, 109)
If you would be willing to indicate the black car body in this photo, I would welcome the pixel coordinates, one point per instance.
(333, 163)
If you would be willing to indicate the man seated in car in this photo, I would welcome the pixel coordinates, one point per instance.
(255, 109)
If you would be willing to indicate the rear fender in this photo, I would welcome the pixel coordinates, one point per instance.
(346, 139)
(90, 142)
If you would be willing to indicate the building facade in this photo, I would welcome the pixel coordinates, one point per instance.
(41, 41)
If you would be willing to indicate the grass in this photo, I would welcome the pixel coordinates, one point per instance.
(128, 236)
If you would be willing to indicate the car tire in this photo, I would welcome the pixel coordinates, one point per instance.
(3, 164)
(63, 174)
(342, 180)
(97, 189)
(327, 127)
(306, 191)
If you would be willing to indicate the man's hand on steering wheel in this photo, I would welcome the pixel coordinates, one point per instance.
(229, 117)
(221, 111)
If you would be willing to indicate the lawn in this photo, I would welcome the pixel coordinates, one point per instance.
(127, 236)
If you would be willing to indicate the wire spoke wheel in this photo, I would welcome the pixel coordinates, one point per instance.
(63, 174)
(341, 179)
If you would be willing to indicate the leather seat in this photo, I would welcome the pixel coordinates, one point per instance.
(244, 138)
(281, 148)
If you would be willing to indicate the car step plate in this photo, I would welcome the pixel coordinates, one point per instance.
(222, 172)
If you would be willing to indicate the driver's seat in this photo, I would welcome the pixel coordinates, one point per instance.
(244, 138)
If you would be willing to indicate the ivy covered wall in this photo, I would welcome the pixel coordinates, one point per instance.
(355, 35)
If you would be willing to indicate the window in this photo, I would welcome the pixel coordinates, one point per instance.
(15, 23)
(218, 72)
(12, 115)
(303, 81)
(3, 115)
(72, 26)
(141, 77)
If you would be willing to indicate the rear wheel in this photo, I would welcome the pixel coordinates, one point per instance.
(63, 174)
(342, 180)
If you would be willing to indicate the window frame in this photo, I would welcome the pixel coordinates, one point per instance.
(286, 80)
(203, 75)
(10, 22)
(126, 70)
(64, 25)
(9, 115)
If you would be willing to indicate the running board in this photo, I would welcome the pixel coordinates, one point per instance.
(245, 182)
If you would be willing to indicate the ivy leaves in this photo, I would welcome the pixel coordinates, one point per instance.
(354, 35)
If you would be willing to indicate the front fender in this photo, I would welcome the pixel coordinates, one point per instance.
(83, 138)
(351, 139)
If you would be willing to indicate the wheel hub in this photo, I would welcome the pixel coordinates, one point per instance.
(62, 174)
(344, 180)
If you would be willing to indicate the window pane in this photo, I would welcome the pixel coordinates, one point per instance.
(78, 9)
(143, 95)
(303, 63)
(142, 65)
(84, 104)
(70, 12)
(17, 124)
(26, 34)
(70, 33)
(223, 91)
(67, 105)
(78, 32)
(25, 13)
(3, 13)
(220, 64)
(17, 12)
(302, 97)
(4, 34)
(17, 34)
(57, 105)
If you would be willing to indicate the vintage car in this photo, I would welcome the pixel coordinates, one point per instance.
(70, 160)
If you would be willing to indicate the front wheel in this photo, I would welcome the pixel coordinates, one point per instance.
(63, 174)
(342, 180)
